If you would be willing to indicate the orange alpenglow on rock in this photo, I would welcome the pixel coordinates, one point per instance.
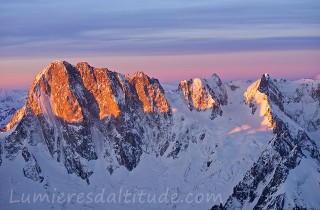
(255, 98)
(59, 90)
(16, 118)
(97, 81)
(196, 95)
(149, 93)
(50, 93)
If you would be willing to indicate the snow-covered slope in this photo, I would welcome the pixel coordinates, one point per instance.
(204, 143)
(289, 168)
(10, 102)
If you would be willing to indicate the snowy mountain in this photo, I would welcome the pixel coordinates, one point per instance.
(203, 144)
(286, 175)
(10, 102)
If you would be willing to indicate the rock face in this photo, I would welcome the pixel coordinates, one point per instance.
(98, 82)
(256, 144)
(257, 99)
(261, 186)
(202, 94)
(150, 93)
(75, 108)
(32, 169)
(56, 89)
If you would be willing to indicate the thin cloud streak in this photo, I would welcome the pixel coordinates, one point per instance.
(149, 46)
(52, 28)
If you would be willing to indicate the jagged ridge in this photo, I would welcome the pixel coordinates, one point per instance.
(66, 102)
(82, 114)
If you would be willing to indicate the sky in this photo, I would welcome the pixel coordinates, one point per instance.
(169, 40)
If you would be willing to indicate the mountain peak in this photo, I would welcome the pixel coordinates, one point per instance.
(60, 62)
(51, 92)
(92, 122)
(139, 74)
(82, 63)
(150, 92)
(266, 75)
(203, 94)
(258, 101)
(264, 83)
(59, 89)
(215, 76)
(197, 94)
(215, 80)
(51, 67)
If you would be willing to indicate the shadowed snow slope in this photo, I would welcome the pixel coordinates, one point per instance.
(10, 102)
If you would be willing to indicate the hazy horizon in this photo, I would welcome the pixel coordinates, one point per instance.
(175, 82)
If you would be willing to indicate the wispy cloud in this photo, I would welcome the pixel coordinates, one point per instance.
(41, 27)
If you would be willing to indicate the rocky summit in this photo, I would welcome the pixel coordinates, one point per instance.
(81, 128)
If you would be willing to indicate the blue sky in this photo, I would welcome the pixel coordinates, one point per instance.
(81, 29)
